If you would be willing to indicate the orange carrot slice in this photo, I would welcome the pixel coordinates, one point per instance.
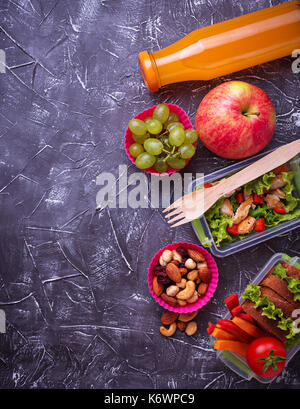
(233, 346)
(221, 334)
(251, 329)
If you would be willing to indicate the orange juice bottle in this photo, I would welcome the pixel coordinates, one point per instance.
(225, 47)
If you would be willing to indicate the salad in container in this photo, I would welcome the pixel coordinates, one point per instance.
(261, 209)
(261, 331)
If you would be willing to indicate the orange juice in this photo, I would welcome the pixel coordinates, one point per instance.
(225, 47)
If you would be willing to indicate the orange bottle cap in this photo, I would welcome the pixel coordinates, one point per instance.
(149, 71)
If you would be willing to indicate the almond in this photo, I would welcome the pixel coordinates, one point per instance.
(169, 300)
(205, 275)
(158, 288)
(188, 316)
(202, 288)
(181, 325)
(168, 317)
(193, 275)
(196, 255)
(191, 328)
(173, 272)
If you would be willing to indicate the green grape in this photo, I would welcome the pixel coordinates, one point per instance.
(172, 125)
(153, 146)
(136, 149)
(140, 138)
(137, 126)
(191, 135)
(145, 160)
(187, 150)
(173, 117)
(160, 165)
(161, 112)
(154, 126)
(176, 136)
(149, 118)
(176, 163)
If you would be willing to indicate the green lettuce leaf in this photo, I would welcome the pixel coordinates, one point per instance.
(292, 283)
(269, 310)
(290, 201)
(258, 185)
(218, 223)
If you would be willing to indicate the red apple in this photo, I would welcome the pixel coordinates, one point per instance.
(236, 120)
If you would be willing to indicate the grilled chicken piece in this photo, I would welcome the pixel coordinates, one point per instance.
(242, 211)
(273, 201)
(247, 225)
(277, 182)
(226, 208)
(279, 193)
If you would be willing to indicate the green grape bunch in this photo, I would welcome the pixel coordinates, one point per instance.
(161, 141)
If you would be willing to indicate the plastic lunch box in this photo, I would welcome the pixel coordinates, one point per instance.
(236, 362)
(201, 227)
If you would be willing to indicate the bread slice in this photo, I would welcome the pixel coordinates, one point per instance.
(266, 324)
(291, 270)
(277, 300)
(281, 288)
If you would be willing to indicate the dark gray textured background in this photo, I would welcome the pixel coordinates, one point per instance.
(73, 282)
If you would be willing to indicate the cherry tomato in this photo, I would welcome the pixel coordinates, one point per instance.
(233, 229)
(279, 210)
(240, 198)
(266, 357)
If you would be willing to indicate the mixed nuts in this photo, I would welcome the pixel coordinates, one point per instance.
(184, 322)
(181, 276)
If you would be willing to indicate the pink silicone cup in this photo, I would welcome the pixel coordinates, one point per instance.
(211, 287)
(183, 118)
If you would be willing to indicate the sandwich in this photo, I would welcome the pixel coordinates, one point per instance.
(274, 304)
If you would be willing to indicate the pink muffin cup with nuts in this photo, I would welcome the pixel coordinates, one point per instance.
(211, 264)
(183, 118)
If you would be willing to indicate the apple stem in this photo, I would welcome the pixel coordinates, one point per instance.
(251, 113)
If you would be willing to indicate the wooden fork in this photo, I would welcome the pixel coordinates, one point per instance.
(195, 204)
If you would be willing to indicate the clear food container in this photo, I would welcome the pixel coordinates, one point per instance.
(202, 229)
(236, 362)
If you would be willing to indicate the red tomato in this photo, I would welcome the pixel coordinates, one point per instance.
(259, 225)
(240, 198)
(233, 229)
(266, 357)
(279, 210)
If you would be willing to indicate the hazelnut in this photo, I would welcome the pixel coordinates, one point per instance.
(172, 290)
(190, 264)
(167, 256)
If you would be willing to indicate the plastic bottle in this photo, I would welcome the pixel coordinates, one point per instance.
(225, 47)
